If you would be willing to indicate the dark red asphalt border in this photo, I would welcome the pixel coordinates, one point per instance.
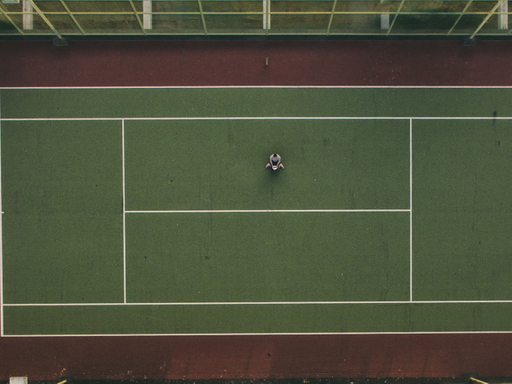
(362, 63)
(161, 63)
(231, 357)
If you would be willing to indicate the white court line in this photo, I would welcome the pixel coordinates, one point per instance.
(62, 119)
(124, 210)
(256, 303)
(266, 210)
(214, 303)
(200, 118)
(410, 210)
(260, 334)
(1, 235)
(272, 87)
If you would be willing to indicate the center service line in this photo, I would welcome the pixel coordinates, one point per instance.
(124, 210)
(267, 210)
(410, 211)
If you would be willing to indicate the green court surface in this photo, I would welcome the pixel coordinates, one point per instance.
(138, 211)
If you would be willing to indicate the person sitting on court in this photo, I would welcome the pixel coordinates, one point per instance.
(275, 162)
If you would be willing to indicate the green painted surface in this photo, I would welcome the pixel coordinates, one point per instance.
(62, 221)
(62, 225)
(238, 257)
(294, 318)
(340, 164)
(222, 102)
(462, 217)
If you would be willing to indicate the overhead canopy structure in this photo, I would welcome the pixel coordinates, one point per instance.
(60, 18)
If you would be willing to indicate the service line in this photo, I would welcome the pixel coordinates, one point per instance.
(267, 210)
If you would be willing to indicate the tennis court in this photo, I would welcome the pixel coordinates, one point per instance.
(134, 211)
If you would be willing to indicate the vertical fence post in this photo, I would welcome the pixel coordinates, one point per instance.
(384, 20)
(503, 16)
(266, 15)
(147, 18)
(28, 17)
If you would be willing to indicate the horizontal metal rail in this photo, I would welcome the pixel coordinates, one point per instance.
(260, 33)
(273, 13)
